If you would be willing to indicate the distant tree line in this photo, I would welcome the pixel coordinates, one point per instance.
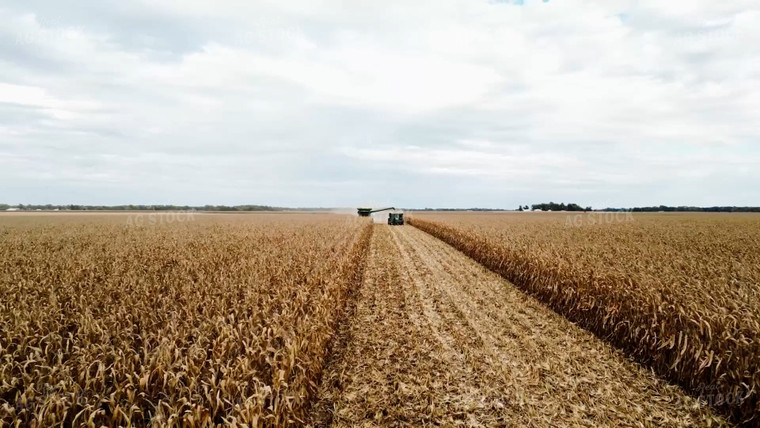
(551, 206)
(72, 207)
(664, 208)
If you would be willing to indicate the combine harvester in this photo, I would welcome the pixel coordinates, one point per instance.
(394, 219)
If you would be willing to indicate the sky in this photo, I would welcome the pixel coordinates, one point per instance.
(493, 104)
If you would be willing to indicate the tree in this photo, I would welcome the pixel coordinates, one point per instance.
(551, 206)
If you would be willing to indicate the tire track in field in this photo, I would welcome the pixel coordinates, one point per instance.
(439, 340)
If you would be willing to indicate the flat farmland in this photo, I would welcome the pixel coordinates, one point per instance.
(678, 292)
(307, 319)
(438, 340)
(212, 320)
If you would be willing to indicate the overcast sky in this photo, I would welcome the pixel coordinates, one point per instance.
(408, 103)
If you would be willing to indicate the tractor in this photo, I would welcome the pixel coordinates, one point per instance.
(394, 219)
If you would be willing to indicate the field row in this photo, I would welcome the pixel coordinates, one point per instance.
(438, 340)
(222, 320)
(677, 292)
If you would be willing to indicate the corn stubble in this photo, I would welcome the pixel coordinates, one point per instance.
(436, 340)
(679, 293)
(224, 320)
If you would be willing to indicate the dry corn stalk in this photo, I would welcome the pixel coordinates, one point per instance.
(680, 293)
(222, 321)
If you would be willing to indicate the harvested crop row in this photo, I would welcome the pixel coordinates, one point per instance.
(677, 292)
(437, 340)
(221, 320)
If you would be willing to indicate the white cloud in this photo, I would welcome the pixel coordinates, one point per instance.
(303, 103)
(33, 97)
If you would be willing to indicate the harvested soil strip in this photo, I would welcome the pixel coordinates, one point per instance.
(437, 339)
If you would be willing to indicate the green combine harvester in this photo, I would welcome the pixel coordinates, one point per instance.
(394, 219)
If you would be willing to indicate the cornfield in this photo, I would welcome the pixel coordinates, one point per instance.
(678, 292)
(223, 320)
(231, 320)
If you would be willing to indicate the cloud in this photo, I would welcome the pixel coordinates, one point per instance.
(297, 103)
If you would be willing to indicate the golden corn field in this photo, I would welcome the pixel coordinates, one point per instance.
(222, 320)
(678, 292)
(438, 340)
(283, 319)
